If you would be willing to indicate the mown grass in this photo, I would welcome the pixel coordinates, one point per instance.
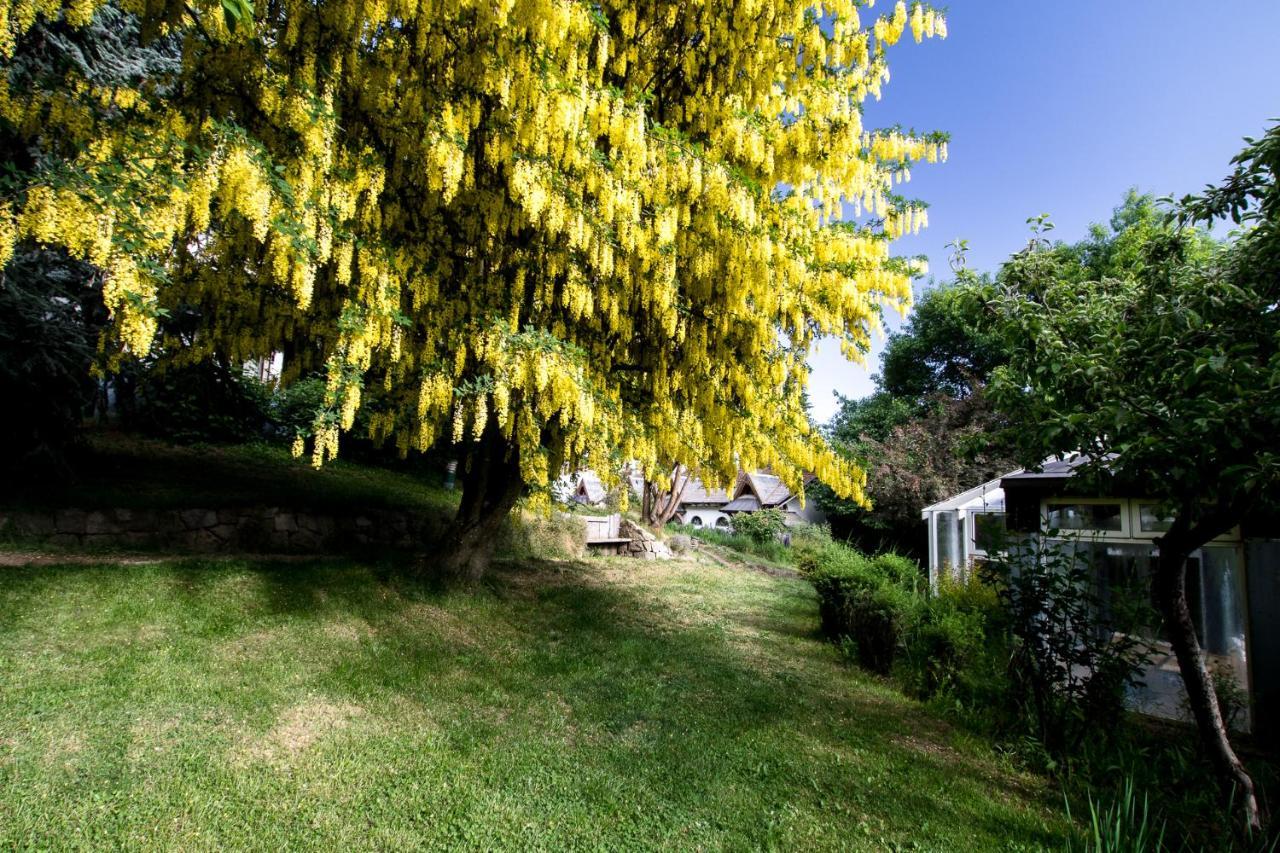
(127, 471)
(612, 704)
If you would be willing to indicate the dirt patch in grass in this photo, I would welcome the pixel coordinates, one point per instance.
(154, 735)
(299, 728)
(254, 645)
(347, 630)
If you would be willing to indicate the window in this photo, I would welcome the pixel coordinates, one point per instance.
(722, 522)
(988, 531)
(1215, 593)
(1083, 516)
(696, 521)
(1151, 521)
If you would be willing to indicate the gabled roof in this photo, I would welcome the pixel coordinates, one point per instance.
(768, 489)
(742, 503)
(697, 494)
(589, 489)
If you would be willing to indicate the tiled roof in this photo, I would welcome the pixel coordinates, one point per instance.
(699, 494)
(745, 503)
(770, 489)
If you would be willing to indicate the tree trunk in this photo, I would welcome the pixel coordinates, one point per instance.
(491, 484)
(1171, 594)
(662, 506)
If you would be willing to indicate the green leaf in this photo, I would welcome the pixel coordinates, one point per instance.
(237, 12)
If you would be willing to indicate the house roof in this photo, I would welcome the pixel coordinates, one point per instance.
(759, 488)
(1051, 469)
(768, 488)
(743, 503)
(589, 488)
(697, 494)
(988, 497)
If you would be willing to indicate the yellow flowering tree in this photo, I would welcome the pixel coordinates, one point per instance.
(547, 231)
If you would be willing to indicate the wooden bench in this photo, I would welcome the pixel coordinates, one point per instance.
(603, 533)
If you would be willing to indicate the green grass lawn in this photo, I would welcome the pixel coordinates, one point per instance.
(607, 704)
(128, 471)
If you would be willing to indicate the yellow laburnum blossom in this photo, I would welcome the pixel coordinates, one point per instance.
(607, 231)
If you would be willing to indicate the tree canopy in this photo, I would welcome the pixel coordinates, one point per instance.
(928, 430)
(943, 347)
(1165, 372)
(606, 231)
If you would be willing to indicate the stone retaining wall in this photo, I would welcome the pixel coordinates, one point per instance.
(643, 545)
(237, 529)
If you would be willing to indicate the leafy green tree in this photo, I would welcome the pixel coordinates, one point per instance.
(872, 417)
(1167, 376)
(942, 348)
(918, 444)
(51, 305)
(928, 431)
(954, 444)
(50, 315)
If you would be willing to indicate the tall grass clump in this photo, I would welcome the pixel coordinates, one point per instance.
(1122, 823)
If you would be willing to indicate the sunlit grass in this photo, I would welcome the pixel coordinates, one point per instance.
(607, 704)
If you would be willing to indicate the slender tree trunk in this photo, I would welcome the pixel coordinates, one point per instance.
(1171, 594)
(662, 506)
(491, 484)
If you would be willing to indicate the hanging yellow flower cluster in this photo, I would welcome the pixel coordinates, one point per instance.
(613, 230)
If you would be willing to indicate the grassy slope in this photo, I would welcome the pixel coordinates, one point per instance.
(606, 704)
(119, 470)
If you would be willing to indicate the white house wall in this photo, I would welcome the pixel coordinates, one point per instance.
(708, 516)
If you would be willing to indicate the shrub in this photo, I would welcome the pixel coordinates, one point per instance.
(761, 526)
(1069, 669)
(953, 647)
(866, 603)
(293, 407)
(202, 402)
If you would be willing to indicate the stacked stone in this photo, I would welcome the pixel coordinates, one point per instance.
(643, 545)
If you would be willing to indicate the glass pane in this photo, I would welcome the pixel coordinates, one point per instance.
(1083, 516)
(988, 530)
(1123, 575)
(1222, 603)
(1149, 521)
(948, 543)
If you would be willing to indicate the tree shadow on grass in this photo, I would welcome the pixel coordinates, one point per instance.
(673, 705)
(644, 706)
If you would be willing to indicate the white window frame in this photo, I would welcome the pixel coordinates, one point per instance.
(1135, 512)
(1125, 531)
(972, 527)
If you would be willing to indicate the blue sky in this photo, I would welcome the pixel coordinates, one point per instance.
(1059, 108)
